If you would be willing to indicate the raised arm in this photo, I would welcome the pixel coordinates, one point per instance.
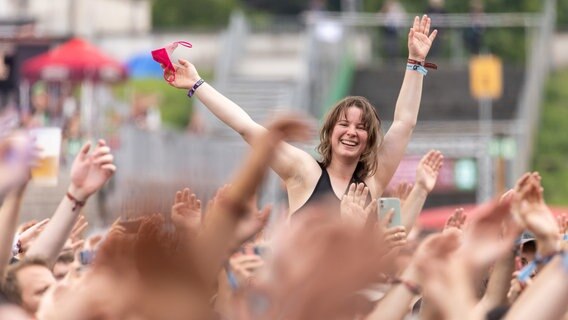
(89, 173)
(230, 215)
(16, 157)
(287, 158)
(407, 105)
(426, 177)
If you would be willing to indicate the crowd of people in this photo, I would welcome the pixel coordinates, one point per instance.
(331, 257)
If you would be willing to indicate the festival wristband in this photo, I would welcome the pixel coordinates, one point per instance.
(191, 91)
(417, 67)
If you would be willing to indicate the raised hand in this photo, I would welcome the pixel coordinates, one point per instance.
(290, 127)
(532, 212)
(245, 266)
(353, 207)
(186, 211)
(428, 170)
(456, 220)
(402, 191)
(90, 172)
(420, 39)
(17, 156)
(490, 234)
(30, 233)
(185, 75)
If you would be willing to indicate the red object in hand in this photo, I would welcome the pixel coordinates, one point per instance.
(162, 56)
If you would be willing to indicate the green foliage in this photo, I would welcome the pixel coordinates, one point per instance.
(191, 13)
(175, 107)
(288, 7)
(551, 150)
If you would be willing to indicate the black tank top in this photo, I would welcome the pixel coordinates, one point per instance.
(324, 188)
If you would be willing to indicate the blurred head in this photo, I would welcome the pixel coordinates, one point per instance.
(352, 129)
(63, 264)
(26, 282)
(528, 252)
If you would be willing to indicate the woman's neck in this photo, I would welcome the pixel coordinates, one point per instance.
(341, 169)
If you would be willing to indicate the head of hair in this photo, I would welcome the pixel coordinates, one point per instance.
(10, 285)
(367, 165)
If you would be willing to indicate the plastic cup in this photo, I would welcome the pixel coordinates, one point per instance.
(47, 170)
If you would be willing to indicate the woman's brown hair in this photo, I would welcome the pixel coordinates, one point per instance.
(367, 165)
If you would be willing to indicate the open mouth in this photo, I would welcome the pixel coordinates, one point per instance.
(349, 143)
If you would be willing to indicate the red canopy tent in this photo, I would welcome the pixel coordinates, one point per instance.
(75, 60)
(435, 218)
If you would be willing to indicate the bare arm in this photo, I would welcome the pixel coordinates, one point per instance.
(8, 224)
(396, 303)
(407, 104)
(88, 174)
(426, 177)
(230, 219)
(546, 297)
(499, 282)
(287, 158)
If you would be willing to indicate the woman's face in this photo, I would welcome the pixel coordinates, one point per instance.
(349, 135)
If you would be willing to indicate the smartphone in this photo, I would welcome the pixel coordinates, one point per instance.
(385, 205)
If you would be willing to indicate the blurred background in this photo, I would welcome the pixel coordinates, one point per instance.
(496, 106)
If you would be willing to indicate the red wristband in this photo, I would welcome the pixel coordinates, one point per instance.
(76, 203)
(425, 64)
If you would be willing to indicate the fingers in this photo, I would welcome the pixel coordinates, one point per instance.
(104, 159)
(109, 168)
(183, 62)
(85, 149)
(423, 23)
(427, 25)
(178, 197)
(416, 24)
(433, 35)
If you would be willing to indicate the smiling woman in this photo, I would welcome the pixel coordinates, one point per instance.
(351, 144)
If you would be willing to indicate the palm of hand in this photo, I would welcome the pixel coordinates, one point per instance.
(186, 214)
(419, 45)
(87, 176)
(426, 176)
(538, 219)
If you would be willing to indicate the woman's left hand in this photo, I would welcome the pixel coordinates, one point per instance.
(420, 39)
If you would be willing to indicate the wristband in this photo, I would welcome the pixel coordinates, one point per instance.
(412, 287)
(417, 67)
(191, 91)
(76, 203)
(425, 64)
(526, 272)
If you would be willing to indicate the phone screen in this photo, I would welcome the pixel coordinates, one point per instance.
(385, 205)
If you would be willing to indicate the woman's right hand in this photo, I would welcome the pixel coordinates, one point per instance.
(185, 75)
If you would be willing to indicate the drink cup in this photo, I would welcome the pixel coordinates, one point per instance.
(47, 170)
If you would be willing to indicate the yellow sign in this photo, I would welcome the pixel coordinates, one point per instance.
(486, 77)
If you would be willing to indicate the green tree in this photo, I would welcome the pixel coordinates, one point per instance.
(191, 13)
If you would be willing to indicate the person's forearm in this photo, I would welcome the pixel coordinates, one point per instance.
(229, 112)
(8, 224)
(413, 206)
(499, 283)
(218, 232)
(545, 298)
(50, 242)
(396, 303)
(408, 102)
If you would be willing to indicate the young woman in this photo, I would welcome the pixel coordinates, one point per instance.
(351, 144)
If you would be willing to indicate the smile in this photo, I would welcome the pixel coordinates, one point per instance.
(349, 143)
